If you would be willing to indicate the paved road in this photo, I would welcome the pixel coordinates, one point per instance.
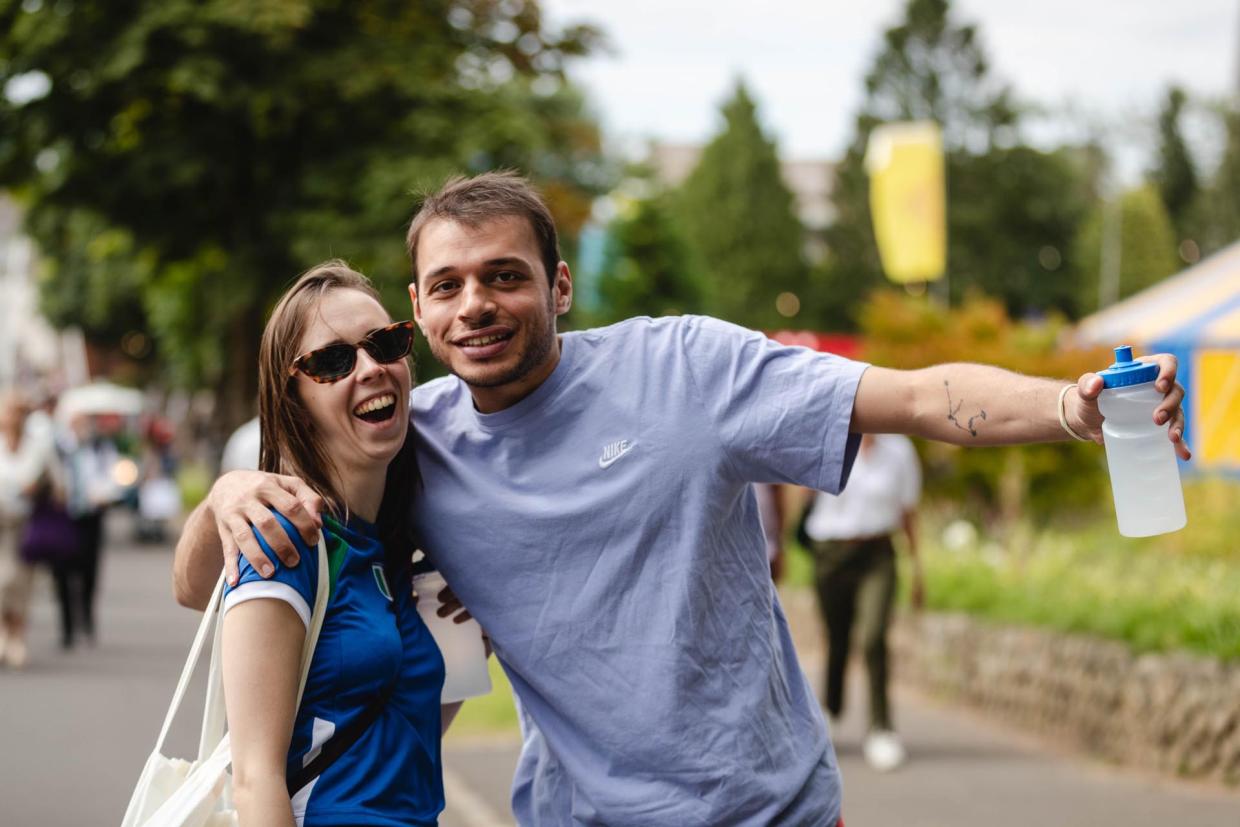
(75, 728)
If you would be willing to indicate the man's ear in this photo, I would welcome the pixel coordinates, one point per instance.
(413, 299)
(562, 289)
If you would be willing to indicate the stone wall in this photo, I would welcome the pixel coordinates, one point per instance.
(1175, 713)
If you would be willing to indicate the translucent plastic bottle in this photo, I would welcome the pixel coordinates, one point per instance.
(1145, 477)
(464, 654)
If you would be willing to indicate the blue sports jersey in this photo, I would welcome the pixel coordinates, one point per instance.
(372, 638)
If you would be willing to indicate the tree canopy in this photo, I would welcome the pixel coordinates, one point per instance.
(933, 67)
(188, 157)
(1146, 246)
(1215, 215)
(1012, 211)
(1174, 172)
(738, 217)
(648, 269)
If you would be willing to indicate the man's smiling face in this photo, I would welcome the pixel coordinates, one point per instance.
(483, 301)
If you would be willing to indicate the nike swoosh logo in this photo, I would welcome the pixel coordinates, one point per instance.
(612, 453)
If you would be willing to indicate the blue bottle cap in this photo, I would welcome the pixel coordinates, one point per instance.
(1127, 371)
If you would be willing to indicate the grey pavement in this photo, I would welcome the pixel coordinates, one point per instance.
(75, 728)
(965, 770)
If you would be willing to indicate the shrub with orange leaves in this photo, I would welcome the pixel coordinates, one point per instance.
(1035, 482)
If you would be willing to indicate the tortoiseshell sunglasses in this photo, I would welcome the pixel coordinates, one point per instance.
(336, 361)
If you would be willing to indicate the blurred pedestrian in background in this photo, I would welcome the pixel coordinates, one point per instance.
(850, 536)
(90, 461)
(159, 498)
(27, 464)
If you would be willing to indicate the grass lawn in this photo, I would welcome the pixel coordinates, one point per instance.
(489, 714)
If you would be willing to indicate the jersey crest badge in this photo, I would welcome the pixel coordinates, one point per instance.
(381, 581)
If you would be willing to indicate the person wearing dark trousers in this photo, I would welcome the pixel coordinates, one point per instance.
(76, 580)
(89, 461)
(850, 536)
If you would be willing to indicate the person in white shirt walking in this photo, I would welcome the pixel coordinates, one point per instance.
(26, 457)
(850, 536)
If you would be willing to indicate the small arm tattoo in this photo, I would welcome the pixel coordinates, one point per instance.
(952, 410)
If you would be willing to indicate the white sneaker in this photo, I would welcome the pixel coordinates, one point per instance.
(883, 750)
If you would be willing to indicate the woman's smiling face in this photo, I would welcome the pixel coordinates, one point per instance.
(361, 420)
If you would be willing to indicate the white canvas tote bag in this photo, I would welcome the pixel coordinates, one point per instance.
(174, 792)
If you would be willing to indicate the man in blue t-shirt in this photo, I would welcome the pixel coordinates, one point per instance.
(588, 497)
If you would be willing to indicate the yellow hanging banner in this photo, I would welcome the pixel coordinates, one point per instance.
(908, 200)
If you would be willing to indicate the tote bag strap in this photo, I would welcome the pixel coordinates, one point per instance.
(214, 717)
(187, 672)
(321, 597)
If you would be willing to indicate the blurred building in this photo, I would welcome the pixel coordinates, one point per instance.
(810, 182)
(1196, 316)
(31, 353)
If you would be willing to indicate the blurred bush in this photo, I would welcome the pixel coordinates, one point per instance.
(1063, 480)
(194, 480)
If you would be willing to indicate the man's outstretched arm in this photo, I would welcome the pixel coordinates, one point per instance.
(967, 404)
(197, 561)
(223, 526)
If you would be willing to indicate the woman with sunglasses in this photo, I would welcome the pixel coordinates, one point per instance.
(333, 404)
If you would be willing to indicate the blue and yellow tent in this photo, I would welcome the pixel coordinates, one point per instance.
(1195, 315)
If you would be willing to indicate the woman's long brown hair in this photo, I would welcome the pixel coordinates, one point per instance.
(289, 444)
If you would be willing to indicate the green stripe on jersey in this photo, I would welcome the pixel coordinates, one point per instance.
(337, 548)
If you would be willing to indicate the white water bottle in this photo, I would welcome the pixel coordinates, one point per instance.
(464, 654)
(1145, 477)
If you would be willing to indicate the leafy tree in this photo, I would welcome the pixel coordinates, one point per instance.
(1012, 212)
(738, 216)
(1174, 173)
(1216, 213)
(229, 145)
(851, 269)
(95, 283)
(648, 269)
(1013, 217)
(932, 67)
(1147, 245)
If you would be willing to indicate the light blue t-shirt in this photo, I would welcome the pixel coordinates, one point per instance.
(604, 532)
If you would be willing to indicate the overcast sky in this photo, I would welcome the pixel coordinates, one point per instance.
(804, 60)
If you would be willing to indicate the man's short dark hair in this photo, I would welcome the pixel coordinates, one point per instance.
(475, 200)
